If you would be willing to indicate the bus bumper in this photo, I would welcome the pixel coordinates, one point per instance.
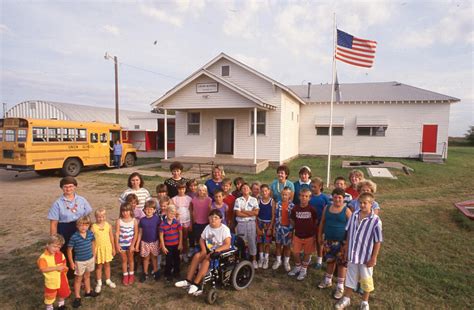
(17, 167)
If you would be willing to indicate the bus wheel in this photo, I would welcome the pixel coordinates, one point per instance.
(71, 167)
(129, 160)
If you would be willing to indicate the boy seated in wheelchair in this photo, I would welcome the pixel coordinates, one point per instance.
(215, 238)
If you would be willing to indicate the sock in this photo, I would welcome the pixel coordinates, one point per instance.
(328, 278)
(306, 264)
(108, 281)
(286, 259)
(340, 282)
(346, 298)
(49, 307)
(278, 258)
(61, 303)
(267, 256)
(131, 273)
(125, 273)
(99, 282)
(298, 265)
(261, 255)
(364, 302)
(319, 260)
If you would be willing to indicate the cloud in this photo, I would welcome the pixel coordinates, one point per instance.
(111, 29)
(161, 15)
(194, 6)
(243, 20)
(261, 64)
(4, 29)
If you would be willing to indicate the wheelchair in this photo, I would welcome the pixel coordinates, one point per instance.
(229, 268)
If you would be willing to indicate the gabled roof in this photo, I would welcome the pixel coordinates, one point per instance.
(372, 92)
(252, 97)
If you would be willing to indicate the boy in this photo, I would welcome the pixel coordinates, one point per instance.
(265, 220)
(171, 240)
(229, 200)
(318, 202)
(52, 264)
(283, 172)
(148, 240)
(340, 182)
(83, 262)
(304, 220)
(161, 191)
(283, 230)
(238, 181)
(303, 182)
(255, 189)
(363, 241)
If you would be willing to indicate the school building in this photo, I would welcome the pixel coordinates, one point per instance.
(220, 106)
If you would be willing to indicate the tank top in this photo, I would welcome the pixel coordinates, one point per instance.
(265, 211)
(126, 233)
(335, 225)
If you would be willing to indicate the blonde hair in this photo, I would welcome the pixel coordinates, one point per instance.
(357, 173)
(84, 220)
(368, 196)
(100, 210)
(368, 183)
(171, 208)
(318, 180)
(55, 239)
(202, 186)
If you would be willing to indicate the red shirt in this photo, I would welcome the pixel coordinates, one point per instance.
(354, 193)
(305, 221)
(229, 200)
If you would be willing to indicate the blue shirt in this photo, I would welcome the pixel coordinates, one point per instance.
(117, 149)
(66, 211)
(150, 226)
(361, 237)
(298, 187)
(318, 203)
(82, 246)
(265, 211)
(277, 187)
(212, 186)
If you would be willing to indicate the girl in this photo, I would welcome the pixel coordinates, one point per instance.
(283, 172)
(191, 188)
(303, 182)
(265, 220)
(172, 183)
(199, 208)
(135, 186)
(182, 202)
(215, 182)
(104, 248)
(126, 231)
(132, 200)
(219, 204)
(365, 186)
(355, 176)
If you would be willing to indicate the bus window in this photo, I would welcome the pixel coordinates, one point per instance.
(82, 135)
(21, 135)
(69, 134)
(103, 138)
(94, 137)
(39, 134)
(9, 135)
(54, 134)
(1, 135)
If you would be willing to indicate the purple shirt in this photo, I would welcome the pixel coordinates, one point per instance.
(201, 210)
(149, 226)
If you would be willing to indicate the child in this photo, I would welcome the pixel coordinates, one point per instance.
(126, 231)
(191, 188)
(340, 182)
(171, 240)
(229, 200)
(365, 186)
(200, 207)
(283, 229)
(303, 182)
(246, 209)
(83, 244)
(333, 224)
(219, 204)
(255, 189)
(164, 203)
(104, 250)
(148, 240)
(355, 176)
(283, 172)
(304, 220)
(161, 191)
(182, 202)
(132, 200)
(363, 241)
(52, 264)
(238, 181)
(318, 202)
(265, 221)
(117, 150)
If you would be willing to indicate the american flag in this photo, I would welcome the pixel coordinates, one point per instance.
(355, 51)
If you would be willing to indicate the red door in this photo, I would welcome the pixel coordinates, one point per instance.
(430, 138)
(151, 141)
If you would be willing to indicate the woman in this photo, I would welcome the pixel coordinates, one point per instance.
(135, 186)
(66, 210)
(172, 183)
(215, 182)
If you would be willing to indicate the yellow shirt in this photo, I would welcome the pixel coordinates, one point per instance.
(52, 279)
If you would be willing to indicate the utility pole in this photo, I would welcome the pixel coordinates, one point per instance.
(117, 118)
(4, 110)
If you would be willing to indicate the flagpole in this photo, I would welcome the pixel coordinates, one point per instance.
(328, 179)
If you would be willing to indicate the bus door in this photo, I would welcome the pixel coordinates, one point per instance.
(104, 148)
(114, 135)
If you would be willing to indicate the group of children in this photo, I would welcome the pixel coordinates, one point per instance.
(343, 228)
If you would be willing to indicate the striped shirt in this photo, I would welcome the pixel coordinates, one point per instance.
(82, 246)
(170, 232)
(362, 235)
(142, 194)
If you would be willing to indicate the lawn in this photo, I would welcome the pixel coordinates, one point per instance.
(425, 262)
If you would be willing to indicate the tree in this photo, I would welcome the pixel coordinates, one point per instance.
(470, 135)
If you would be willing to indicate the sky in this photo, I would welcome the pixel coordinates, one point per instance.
(54, 50)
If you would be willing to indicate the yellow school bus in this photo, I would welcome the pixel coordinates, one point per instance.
(46, 146)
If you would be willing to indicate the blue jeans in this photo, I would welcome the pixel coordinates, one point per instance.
(117, 160)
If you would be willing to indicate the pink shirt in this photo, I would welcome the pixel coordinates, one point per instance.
(201, 210)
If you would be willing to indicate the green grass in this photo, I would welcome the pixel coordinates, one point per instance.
(426, 260)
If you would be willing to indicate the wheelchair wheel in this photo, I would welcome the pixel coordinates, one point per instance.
(242, 275)
(211, 296)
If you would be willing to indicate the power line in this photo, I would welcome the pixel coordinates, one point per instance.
(146, 70)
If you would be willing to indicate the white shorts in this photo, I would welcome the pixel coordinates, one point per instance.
(83, 266)
(360, 273)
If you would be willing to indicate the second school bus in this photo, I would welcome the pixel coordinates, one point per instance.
(46, 146)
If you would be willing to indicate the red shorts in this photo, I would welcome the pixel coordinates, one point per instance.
(306, 245)
(62, 292)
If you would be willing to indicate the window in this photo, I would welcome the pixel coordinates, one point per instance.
(22, 135)
(194, 123)
(54, 134)
(378, 131)
(261, 121)
(1, 135)
(324, 131)
(137, 126)
(9, 135)
(94, 137)
(69, 134)
(103, 138)
(225, 71)
(39, 134)
(81, 135)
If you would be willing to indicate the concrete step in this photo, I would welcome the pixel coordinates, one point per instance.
(432, 158)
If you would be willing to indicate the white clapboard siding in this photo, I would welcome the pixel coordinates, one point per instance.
(402, 138)
(289, 142)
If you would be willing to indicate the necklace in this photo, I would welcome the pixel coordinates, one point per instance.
(71, 205)
(278, 186)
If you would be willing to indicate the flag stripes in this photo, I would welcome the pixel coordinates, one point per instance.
(355, 51)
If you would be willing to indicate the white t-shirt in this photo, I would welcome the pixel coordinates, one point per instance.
(245, 205)
(214, 237)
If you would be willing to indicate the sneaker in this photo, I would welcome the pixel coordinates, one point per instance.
(342, 303)
(143, 277)
(98, 288)
(192, 289)
(91, 294)
(318, 266)
(156, 275)
(364, 306)
(325, 284)
(131, 279)
(295, 271)
(110, 284)
(260, 263)
(339, 292)
(276, 264)
(125, 280)
(76, 303)
(302, 274)
(182, 284)
(265, 263)
(255, 264)
(287, 266)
